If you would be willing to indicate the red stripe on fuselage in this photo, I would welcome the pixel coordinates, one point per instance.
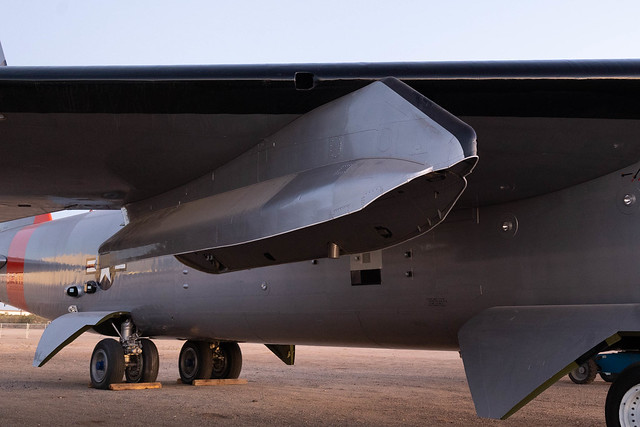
(42, 218)
(15, 266)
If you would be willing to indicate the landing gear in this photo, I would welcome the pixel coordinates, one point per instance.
(227, 361)
(143, 368)
(585, 373)
(195, 361)
(204, 360)
(107, 364)
(623, 399)
(135, 358)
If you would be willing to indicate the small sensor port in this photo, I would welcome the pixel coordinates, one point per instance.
(304, 80)
(90, 287)
(73, 291)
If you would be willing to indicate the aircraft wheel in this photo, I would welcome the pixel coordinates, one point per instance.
(107, 363)
(227, 361)
(623, 399)
(195, 361)
(585, 373)
(144, 367)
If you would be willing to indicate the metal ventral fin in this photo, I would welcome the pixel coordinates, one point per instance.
(366, 171)
(512, 354)
(285, 352)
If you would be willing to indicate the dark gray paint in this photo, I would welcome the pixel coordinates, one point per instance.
(464, 266)
(119, 123)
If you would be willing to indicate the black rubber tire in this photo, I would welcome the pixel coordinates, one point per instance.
(627, 379)
(608, 377)
(107, 364)
(227, 361)
(195, 361)
(585, 373)
(148, 364)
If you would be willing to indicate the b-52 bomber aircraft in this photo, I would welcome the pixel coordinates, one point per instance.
(330, 204)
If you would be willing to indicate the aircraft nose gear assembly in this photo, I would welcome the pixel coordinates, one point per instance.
(134, 357)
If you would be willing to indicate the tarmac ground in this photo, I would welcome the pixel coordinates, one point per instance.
(327, 386)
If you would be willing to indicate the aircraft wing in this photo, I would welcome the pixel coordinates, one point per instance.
(166, 142)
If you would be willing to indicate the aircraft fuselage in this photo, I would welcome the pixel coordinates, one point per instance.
(561, 248)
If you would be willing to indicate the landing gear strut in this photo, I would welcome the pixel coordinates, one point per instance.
(143, 368)
(227, 361)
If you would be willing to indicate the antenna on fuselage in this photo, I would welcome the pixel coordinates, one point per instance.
(3, 61)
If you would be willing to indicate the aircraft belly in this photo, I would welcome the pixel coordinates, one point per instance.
(301, 303)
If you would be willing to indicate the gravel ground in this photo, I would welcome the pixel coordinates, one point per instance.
(328, 386)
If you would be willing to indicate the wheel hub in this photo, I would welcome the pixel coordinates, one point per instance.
(189, 362)
(99, 365)
(580, 373)
(629, 406)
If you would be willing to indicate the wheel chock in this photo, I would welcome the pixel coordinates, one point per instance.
(134, 386)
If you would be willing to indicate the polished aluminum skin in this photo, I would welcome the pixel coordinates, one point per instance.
(364, 172)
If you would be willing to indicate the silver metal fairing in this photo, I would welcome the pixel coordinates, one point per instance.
(367, 171)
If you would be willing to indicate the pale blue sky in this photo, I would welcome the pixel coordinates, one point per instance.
(91, 32)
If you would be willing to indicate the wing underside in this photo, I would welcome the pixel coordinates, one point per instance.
(100, 138)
